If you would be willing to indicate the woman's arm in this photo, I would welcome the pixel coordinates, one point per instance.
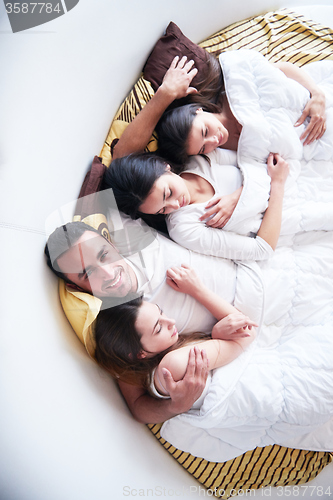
(184, 279)
(270, 227)
(176, 84)
(219, 353)
(315, 107)
(190, 233)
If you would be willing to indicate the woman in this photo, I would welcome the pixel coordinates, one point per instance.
(223, 130)
(144, 184)
(151, 343)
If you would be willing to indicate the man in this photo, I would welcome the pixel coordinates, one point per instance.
(88, 262)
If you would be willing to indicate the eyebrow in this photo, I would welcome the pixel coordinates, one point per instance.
(160, 311)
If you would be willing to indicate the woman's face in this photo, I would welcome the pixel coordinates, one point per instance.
(157, 332)
(207, 133)
(169, 193)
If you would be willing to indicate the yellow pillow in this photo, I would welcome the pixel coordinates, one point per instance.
(81, 310)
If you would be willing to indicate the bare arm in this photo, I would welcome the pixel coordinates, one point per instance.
(271, 223)
(315, 108)
(176, 84)
(231, 322)
(183, 392)
(219, 353)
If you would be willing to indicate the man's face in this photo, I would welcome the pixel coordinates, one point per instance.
(94, 265)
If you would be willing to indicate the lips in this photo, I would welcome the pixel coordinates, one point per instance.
(175, 331)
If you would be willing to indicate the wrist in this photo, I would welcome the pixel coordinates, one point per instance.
(166, 94)
(277, 186)
(318, 94)
(177, 407)
(198, 291)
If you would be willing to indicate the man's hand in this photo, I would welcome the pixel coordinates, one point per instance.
(232, 327)
(177, 80)
(185, 392)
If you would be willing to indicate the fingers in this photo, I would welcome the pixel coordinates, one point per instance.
(217, 222)
(168, 380)
(172, 283)
(301, 119)
(313, 131)
(174, 62)
(201, 362)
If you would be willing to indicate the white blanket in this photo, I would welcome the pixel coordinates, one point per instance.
(281, 389)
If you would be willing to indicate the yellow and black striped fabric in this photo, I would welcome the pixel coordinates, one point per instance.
(261, 467)
(280, 36)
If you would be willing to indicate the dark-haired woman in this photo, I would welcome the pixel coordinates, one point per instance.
(144, 184)
(137, 343)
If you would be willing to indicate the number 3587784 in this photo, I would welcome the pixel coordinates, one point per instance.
(32, 8)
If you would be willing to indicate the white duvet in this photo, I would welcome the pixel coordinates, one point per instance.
(281, 389)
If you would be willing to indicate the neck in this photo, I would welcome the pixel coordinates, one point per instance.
(190, 185)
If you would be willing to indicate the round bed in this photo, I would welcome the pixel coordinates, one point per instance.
(66, 432)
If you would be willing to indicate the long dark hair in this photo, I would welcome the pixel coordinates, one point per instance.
(132, 178)
(173, 131)
(174, 126)
(118, 344)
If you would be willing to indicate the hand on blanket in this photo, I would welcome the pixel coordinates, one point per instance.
(177, 80)
(220, 208)
(234, 326)
(183, 279)
(187, 390)
(277, 168)
(315, 110)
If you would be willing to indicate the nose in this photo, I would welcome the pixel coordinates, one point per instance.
(212, 141)
(173, 204)
(106, 272)
(170, 323)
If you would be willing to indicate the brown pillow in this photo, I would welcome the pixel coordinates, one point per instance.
(92, 182)
(92, 203)
(173, 43)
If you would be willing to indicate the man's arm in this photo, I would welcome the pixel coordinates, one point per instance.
(149, 410)
(176, 84)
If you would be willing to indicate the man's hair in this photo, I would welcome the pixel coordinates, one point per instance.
(60, 241)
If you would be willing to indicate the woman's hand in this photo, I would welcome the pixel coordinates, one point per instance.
(184, 279)
(177, 80)
(315, 110)
(220, 209)
(277, 168)
(232, 327)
